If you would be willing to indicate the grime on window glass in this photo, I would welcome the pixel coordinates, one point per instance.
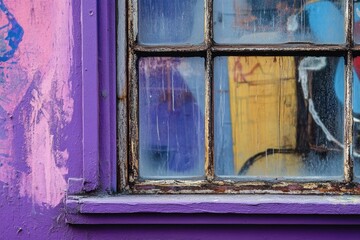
(171, 22)
(171, 116)
(269, 123)
(279, 21)
(231, 91)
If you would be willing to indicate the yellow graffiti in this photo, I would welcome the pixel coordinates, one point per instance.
(263, 107)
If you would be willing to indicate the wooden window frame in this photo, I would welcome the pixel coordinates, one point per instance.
(209, 50)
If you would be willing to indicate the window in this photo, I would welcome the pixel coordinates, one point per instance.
(119, 119)
(238, 96)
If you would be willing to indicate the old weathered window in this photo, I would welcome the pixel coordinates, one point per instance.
(229, 96)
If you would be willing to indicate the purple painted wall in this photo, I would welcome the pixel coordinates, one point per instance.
(41, 136)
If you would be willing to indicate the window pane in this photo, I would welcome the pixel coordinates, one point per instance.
(279, 116)
(278, 21)
(171, 111)
(171, 22)
(356, 113)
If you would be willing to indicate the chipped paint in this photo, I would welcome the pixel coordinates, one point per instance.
(13, 80)
(36, 79)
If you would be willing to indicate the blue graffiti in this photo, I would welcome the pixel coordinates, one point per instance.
(14, 34)
(11, 35)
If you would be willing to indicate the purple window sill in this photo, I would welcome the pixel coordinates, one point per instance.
(213, 209)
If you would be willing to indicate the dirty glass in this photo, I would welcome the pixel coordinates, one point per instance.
(279, 116)
(356, 117)
(169, 22)
(279, 21)
(171, 117)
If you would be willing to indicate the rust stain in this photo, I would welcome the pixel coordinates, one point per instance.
(123, 96)
(220, 187)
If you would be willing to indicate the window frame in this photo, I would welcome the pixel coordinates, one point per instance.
(98, 73)
(209, 50)
(94, 198)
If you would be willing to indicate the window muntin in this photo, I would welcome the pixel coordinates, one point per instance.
(210, 51)
(356, 21)
(356, 117)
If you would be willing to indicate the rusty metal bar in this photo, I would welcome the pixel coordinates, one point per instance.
(132, 22)
(349, 14)
(356, 49)
(199, 50)
(208, 23)
(209, 132)
(348, 162)
(332, 186)
(348, 123)
(209, 136)
(133, 137)
(283, 49)
(134, 119)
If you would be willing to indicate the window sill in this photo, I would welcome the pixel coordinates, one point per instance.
(213, 209)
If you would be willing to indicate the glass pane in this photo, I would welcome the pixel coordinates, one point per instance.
(278, 116)
(165, 22)
(356, 115)
(357, 21)
(278, 21)
(171, 111)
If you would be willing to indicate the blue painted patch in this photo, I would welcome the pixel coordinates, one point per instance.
(339, 86)
(14, 35)
(326, 22)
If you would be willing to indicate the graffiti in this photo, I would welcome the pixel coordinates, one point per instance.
(314, 64)
(239, 76)
(309, 63)
(13, 34)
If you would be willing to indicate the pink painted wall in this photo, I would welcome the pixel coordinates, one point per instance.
(41, 68)
(39, 88)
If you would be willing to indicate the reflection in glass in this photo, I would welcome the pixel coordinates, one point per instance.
(278, 116)
(165, 22)
(279, 21)
(171, 113)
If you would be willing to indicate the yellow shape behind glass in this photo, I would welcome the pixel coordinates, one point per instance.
(263, 106)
